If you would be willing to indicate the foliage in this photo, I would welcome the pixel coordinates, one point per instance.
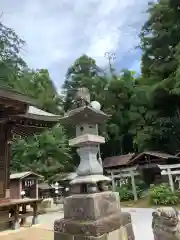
(46, 154)
(125, 192)
(83, 73)
(39, 85)
(11, 63)
(160, 68)
(163, 195)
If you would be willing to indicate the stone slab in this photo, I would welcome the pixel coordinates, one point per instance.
(90, 179)
(91, 207)
(89, 228)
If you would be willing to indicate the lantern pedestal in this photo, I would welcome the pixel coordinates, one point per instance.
(91, 216)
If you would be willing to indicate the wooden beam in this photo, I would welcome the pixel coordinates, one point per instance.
(113, 183)
(133, 185)
(121, 170)
(123, 175)
(171, 166)
(128, 172)
(172, 172)
(167, 171)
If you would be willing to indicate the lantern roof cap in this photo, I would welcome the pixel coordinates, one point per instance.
(84, 114)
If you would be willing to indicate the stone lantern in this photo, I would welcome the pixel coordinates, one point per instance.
(86, 118)
(92, 211)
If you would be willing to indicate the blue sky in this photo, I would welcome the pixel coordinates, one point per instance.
(59, 31)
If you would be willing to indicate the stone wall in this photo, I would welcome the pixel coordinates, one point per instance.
(166, 224)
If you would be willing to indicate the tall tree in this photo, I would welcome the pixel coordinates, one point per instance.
(83, 73)
(38, 84)
(11, 62)
(160, 63)
(117, 103)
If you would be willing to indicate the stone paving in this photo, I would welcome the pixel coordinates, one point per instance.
(141, 219)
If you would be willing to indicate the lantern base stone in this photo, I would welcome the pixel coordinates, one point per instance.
(91, 216)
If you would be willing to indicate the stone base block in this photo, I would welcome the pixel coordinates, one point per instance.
(91, 207)
(119, 234)
(127, 223)
(89, 228)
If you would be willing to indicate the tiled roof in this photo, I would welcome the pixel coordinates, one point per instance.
(155, 154)
(131, 157)
(22, 175)
(118, 160)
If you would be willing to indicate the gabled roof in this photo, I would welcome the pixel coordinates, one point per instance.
(116, 161)
(26, 105)
(84, 114)
(22, 175)
(155, 154)
(16, 96)
(38, 114)
(127, 159)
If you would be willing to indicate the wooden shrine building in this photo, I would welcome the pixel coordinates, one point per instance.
(24, 181)
(45, 190)
(148, 165)
(18, 116)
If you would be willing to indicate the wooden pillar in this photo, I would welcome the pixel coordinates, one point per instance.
(20, 188)
(16, 224)
(9, 156)
(133, 185)
(113, 182)
(178, 183)
(35, 213)
(37, 189)
(171, 183)
(5, 158)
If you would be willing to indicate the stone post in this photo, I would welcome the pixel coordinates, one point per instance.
(92, 212)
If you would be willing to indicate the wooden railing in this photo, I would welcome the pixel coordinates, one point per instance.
(15, 213)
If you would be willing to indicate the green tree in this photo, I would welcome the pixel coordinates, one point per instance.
(47, 154)
(11, 62)
(117, 103)
(38, 84)
(83, 73)
(160, 63)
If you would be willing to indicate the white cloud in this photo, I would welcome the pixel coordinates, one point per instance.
(136, 66)
(59, 31)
